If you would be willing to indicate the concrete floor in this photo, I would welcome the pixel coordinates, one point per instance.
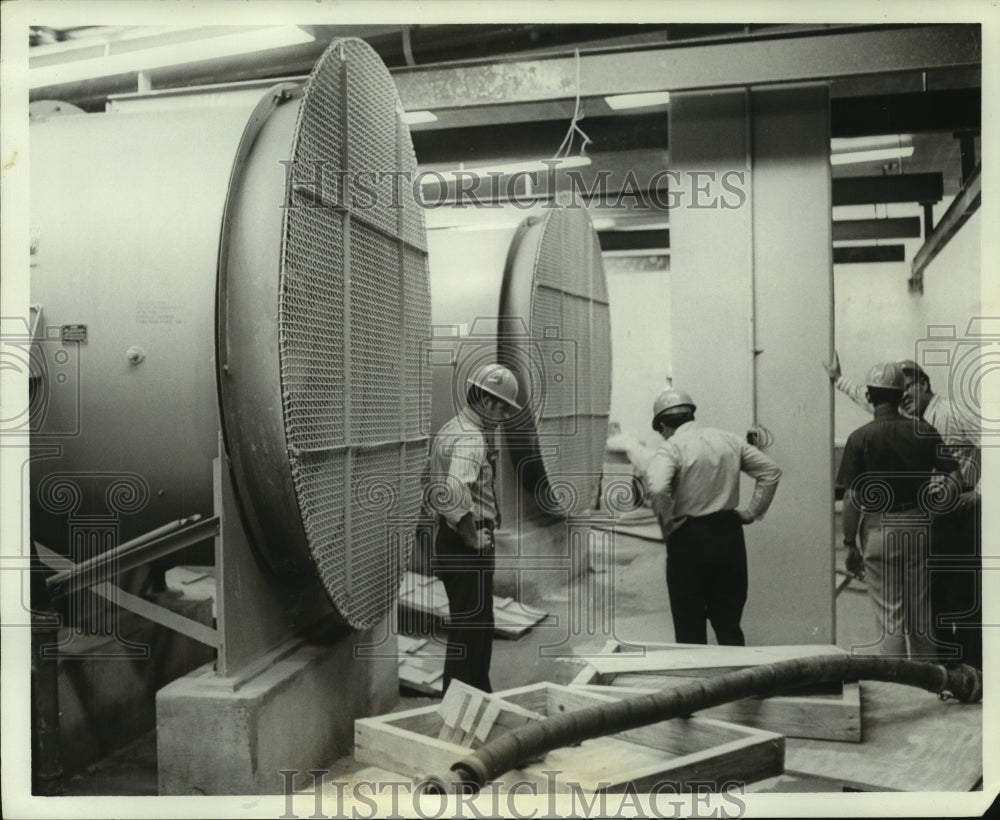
(641, 613)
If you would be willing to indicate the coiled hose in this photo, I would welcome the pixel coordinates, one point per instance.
(511, 750)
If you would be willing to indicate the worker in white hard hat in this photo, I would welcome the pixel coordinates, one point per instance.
(889, 499)
(694, 485)
(460, 492)
(956, 598)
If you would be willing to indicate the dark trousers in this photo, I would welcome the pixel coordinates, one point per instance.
(955, 583)
(468, 580)
(707, 578)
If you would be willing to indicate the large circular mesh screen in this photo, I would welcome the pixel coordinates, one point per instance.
(570, 331)
(354, 310)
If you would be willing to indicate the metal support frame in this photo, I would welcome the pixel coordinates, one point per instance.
(135, 553)
(95, 574)
(962, 207)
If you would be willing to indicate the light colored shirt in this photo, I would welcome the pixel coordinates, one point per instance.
(461, 471)
(957, 429)
(960, 438)
(697, 472)
(855, 392)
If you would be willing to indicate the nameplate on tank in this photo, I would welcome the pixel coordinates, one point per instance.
(73, 333)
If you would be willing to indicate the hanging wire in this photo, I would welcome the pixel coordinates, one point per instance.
(574, 128)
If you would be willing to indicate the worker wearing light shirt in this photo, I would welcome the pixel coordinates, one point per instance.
(693, 480)
(955, 591)
(460, 491)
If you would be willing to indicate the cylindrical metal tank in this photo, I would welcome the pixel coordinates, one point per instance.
(195, 273)
(532, 295)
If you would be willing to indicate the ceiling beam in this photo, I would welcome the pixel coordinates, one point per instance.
(958, 109)
(688, 67)
(895, 188)
(862, 254)
(962, 207)
(634, 240)
(904, 227)
(504, 139)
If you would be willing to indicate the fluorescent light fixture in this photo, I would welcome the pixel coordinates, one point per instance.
(841, 145)
(417, 117)
(898, 152)
(536, 166)
(163, 56)
(620, 102)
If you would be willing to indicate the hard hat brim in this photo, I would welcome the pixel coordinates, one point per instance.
(504, 399)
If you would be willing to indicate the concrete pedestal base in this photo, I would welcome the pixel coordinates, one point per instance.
(224, 736)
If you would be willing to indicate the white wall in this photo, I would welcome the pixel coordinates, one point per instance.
(640, 342)
(878, 319)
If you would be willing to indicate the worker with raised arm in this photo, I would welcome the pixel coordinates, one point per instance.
(955, 592)
(886, 474)
(694, 485)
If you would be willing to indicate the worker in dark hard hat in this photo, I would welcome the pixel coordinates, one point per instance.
(461, 494)
(956, 599)
(694, 485)
(886, 473)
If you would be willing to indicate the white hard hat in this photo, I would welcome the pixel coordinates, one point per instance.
(498, 381)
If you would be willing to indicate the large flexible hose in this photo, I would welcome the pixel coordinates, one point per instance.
(511, 750)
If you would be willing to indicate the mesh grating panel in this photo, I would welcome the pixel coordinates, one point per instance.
(570, 324)
(354, 309)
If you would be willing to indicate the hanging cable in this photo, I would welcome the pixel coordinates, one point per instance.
(567, 143)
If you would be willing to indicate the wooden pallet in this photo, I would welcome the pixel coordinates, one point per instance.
(823, 713)
(675, 752)
(425, 595)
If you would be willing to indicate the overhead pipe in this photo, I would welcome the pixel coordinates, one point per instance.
(514, 749)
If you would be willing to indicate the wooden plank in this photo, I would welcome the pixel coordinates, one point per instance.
(817, 715)
(741, 761)
(677, 736)
(912, 742)
(826, 717)
(823, 717)
(396, 749)
(158, 614)
(716, 658)
(465, 709)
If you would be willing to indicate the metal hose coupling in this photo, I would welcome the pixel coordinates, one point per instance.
(515, 748)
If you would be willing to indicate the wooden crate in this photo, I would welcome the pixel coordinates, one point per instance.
(674, 752)
(825, 713)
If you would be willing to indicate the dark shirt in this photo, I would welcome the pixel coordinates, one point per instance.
(891, 455)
